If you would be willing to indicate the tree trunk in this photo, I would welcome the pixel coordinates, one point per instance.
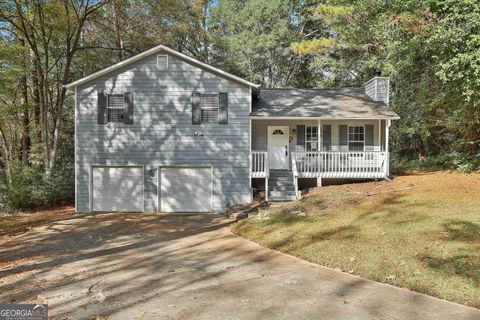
(116, 25)
(25, 124)
(37, 108)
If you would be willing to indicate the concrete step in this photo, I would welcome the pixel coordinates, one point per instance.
(280, 183)
(281, 195)
(282, 188)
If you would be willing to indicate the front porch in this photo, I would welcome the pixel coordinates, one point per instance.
(319, 148)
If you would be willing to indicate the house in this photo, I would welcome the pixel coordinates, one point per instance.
(162, 131)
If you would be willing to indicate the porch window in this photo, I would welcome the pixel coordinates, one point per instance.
(356, 138)
(311, 138)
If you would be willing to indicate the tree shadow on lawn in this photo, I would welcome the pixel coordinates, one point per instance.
(395, 209)
(466, 263)
(463, 265)
(461, 230)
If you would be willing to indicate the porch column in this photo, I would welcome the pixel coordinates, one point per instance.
(380, 135)
(320, 143)
(387, 160)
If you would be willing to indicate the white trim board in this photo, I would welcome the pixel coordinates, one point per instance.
(154, 50)
(320, 118)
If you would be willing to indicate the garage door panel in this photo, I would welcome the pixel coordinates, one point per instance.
(185, 190)
(117, 188)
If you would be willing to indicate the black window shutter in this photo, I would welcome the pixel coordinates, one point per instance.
(300, 137)
(196, 108)
(102, 108)
(128, 107)
(327, 137)
(369, 135)
(342, 132)
(223, 108)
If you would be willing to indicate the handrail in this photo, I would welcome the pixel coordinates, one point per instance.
(295, 175)
(259, 164)
(341, 164)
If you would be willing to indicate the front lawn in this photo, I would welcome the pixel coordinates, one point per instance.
(420, 231)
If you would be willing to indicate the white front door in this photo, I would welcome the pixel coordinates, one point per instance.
(278, 148)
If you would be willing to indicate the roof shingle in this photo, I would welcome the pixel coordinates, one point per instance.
(341, 103)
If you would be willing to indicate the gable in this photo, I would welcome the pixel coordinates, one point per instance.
(152, 64)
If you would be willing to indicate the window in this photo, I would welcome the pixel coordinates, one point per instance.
(277, 132)
(209, 105)
(356, 138)
(115, 108)
(162, 62)
(311, 138)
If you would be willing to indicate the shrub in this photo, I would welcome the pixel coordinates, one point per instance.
(30, 188)
(461, 162)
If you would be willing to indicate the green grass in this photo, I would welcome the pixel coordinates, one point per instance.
(421, 232)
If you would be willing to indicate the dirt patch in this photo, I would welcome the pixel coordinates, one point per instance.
(16, 223)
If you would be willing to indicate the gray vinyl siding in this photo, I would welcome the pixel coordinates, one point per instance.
(162, 133)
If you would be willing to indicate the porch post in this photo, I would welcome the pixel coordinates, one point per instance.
(387, 160)
(380, 135)
(320, 142)
(250, 158)
(266, 189)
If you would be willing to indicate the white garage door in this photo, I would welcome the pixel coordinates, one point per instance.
(117, 189)
(185, 189)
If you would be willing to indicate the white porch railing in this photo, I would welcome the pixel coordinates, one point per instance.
(341, 164)
(259, 164)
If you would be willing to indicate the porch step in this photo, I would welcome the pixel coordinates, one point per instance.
(281, 188)
(280, 173)
(281, 195)
(280, 179)
(280, 185)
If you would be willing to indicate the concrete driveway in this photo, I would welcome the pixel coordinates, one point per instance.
(145, 266)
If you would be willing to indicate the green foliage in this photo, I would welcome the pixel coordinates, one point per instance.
(327, 10)
(461, 162)
(431, 51)
(30, 188)
(315, 45)
(254, 37)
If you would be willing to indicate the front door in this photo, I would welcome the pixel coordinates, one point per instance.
(278, 147)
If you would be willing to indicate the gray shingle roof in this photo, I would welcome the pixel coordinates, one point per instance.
(349, 103)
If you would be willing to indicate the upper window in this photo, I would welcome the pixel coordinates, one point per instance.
(162, 62)
(209, 105)
(311, 138)
(356, 138)
(115, 108)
